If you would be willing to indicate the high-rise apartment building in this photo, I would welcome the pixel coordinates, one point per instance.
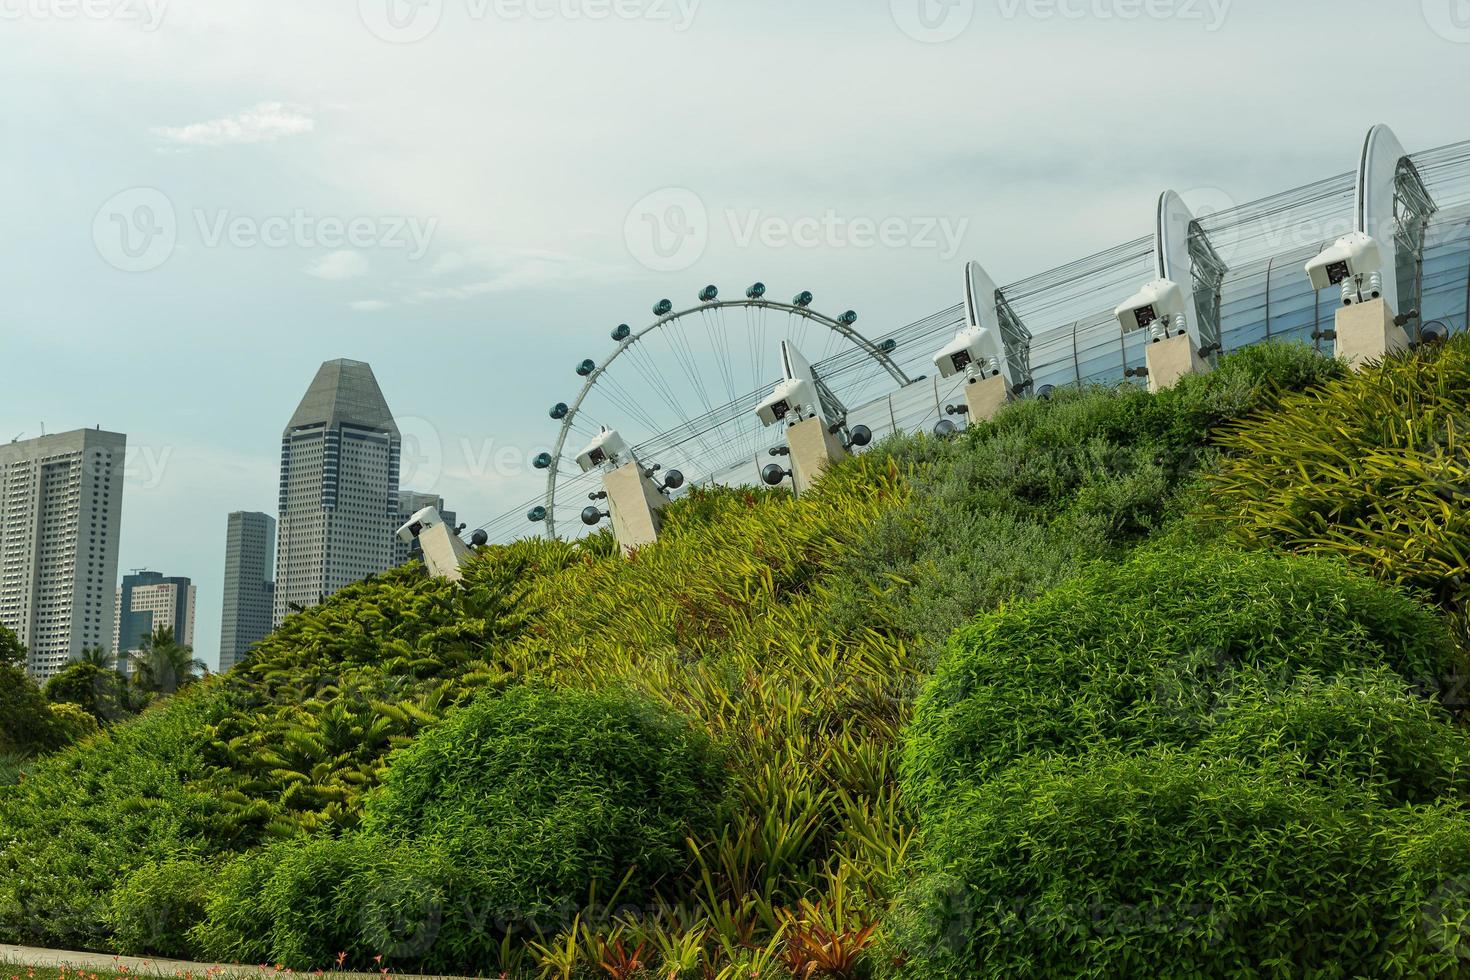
(147, 601)
(410, 502)
(339, 487)
(60, 510)
(249, 592)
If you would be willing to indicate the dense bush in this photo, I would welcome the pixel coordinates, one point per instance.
(99, 691)
(1374, 469)
(154, 908)
(1183, 864)
(505, 819)
(27, 723)
(304, 903)
(85, 819)
(1188, 763)
(545, 797)
(1149, 652)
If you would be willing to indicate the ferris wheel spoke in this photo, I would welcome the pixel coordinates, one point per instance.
(680, 402)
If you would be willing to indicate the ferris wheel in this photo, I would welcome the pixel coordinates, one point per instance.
(682, 390)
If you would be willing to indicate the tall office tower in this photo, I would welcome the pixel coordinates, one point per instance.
(410, 502)
(60, 508)
(249, 592)
(339, 487)
(148, 601)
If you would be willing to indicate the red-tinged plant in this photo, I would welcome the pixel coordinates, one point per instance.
(619, 962)
(814, 949)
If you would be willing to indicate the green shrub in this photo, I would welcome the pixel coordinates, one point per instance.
(1192, 762)
(1373, 468)
(73, 723)
(27, 724)
(1180, 864)
(102, 693)
(85, 819)
(302, 903)
(505, 819)
(154, 908)
(1147, 652)
(543, 796)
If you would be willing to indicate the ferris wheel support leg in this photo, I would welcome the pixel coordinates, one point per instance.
(635, 504)
(813, 449)
(986, 396)
(1367, 332)
(1172, 358)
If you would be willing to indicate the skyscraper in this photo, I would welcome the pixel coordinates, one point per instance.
(148, 601)
(60, 508)
(410, 502)
(339, 487)
(249, 546)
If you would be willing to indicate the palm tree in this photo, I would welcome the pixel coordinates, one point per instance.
(99, 657)
(164, 665)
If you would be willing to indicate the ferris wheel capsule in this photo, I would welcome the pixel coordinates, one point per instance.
(663, 308)
(756, 291)
(542, 461)
(888, 346)
(621, 332)
(559, 411)
(802, 299)
(536, 515)
(848, 318)
(708, 294)
(586, 367)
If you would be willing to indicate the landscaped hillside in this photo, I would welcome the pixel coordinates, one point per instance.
(1116, 684)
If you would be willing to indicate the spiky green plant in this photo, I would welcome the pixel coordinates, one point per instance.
(1374, 469)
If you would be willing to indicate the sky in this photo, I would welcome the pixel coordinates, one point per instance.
(202, 200)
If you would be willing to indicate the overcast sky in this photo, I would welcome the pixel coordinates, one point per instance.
(204, 199)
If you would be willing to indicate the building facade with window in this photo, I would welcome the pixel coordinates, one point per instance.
(60, 513)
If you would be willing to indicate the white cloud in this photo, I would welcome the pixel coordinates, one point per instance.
(368, 305)
(509, 271)
(336, 266)
(263, 123)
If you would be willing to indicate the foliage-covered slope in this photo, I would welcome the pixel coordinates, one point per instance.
(792, 634)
